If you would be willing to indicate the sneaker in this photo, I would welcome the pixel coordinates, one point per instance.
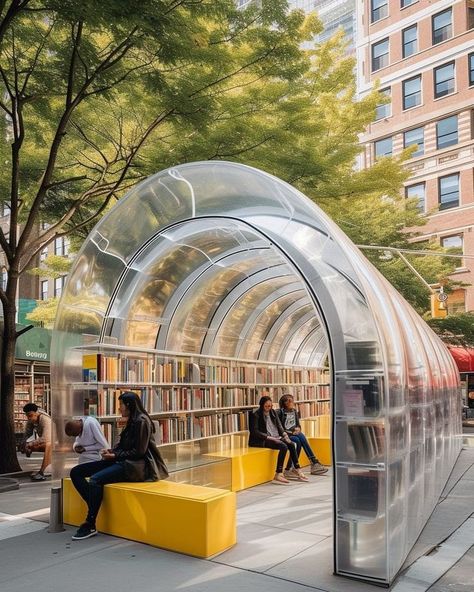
(279, 479)
(40, 477)
(298, 474)
(288, 474)
(85, 531)
(318, 469)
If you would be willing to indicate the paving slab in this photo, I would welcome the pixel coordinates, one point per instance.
(107, 564)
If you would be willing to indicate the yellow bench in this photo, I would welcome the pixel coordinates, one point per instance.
(190, 519)
(321, 448)
(254, 466)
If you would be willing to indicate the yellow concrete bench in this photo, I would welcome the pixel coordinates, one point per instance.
(190, 519)
(254, 466)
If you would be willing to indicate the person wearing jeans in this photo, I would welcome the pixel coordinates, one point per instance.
(126, 462)
(266, 431)
(290, 420)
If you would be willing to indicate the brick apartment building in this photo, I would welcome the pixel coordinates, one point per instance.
(422, 52)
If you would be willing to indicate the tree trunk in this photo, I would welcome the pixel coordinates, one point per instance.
(8, 456)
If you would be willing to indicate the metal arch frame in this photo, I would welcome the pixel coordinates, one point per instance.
(306, 319)
(231, 299)
(275, 328)
(303, 345)
(181, 293)
(280, 293)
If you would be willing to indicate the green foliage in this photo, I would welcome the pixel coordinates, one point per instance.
(455, 329)
(45, 313)
(54, 266)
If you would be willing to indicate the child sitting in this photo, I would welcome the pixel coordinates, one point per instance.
(290, 421)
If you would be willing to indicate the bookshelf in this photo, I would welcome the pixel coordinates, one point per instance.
(32, 385)
(191, 397)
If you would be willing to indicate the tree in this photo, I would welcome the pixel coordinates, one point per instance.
(305, 131)
(456, 329)
(86, 86)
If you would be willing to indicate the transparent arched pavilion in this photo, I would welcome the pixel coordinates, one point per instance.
(219, 259)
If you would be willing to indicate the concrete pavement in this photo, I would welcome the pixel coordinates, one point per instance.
(285, 541)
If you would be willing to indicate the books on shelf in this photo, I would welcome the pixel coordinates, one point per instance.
(368, 440)
(193, 396)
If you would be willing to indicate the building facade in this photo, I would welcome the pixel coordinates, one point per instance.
(335, 15)
(422, 54)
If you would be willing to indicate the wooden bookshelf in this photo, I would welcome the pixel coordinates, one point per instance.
(191, 396)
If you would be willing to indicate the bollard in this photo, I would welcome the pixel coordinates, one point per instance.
(56, 511)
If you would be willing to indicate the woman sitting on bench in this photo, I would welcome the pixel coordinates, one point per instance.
(266, 431)
(135, 458)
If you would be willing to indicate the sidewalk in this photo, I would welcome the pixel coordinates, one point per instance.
(285, 541)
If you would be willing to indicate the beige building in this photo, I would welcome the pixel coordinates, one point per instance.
(422, 53)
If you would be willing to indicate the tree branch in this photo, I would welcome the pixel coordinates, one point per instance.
(15, 8)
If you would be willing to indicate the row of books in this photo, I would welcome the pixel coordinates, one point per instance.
(368, 440)
(105, 401)
(310, 409)
(179, 429)
(120, 368)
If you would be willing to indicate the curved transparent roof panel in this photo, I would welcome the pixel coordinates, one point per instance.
(221, 259)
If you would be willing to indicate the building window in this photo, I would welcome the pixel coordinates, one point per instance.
(44, 254)
(4, 279)
(455, 245)
(415, 137)
(470, 14)
(385, 109)
(409, 41)
(417, 191)
(442, 26)
(61, 246)
(453, 242)
(444, 80)
(405, 3)
(456, 303)
(383, 147)
(412, 92)
(447, 132)
(44, 290)
(378, 10)
(58, 286)
(471, 69)
(380, 57)
(448, 190)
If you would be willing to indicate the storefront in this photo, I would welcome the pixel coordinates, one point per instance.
(32, 373)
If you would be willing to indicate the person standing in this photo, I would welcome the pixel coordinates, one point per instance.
(290, 420)
(266, 431)
(135, 458)
(89, 438)
(37, 438)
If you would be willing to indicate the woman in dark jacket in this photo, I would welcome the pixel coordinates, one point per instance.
(135, 458)
(266, 431)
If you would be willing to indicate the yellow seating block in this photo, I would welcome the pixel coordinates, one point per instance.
(250, 466)
(190, 519)
(321, 448)
(254, 466)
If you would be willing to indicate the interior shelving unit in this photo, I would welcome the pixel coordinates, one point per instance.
(191, 396)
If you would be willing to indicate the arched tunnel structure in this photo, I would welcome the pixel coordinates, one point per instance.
(220, 259)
